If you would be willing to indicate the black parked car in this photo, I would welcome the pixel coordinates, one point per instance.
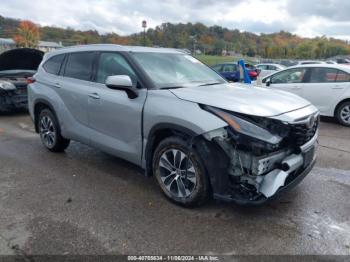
(17, 66)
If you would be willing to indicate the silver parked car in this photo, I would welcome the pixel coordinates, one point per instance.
(178, 119)
(268, 69)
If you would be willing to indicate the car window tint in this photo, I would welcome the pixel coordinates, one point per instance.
(111, 64)
(53, 65)
(272, 68)
(342, 76)
(79, 65)
(323, 75)
(295, 75)
(262, 67)
(229, 68)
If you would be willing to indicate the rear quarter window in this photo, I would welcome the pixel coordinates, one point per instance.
(53, 65)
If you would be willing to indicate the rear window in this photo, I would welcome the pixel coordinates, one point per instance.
(342, 77)
(229, 68)
(53, 65)
(79, 65)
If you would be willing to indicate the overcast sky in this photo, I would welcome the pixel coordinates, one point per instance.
(303, 17)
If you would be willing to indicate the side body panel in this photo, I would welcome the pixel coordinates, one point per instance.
(323, 95)
(116, 122)
(44, 90)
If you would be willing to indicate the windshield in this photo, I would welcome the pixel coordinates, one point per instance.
(169, 70)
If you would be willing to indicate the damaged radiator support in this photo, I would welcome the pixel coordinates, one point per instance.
(267, 173)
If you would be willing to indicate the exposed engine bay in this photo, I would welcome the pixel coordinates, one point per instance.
(259, 168)
(16, 67)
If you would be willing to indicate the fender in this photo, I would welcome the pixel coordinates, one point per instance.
(161, 128)
(46, 103)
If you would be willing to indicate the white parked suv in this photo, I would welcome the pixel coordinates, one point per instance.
(179, 120)
(326, 86)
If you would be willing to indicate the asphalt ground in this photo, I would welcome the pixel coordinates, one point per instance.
(84, 201)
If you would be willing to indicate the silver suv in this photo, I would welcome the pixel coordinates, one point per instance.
(168, 113)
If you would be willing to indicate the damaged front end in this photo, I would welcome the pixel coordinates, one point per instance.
(17, 66)
(13, 94)
(260, 157)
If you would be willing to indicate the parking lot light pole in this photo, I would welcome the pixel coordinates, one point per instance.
(144, 26)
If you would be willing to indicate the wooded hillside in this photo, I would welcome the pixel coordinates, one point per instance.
(210, 40)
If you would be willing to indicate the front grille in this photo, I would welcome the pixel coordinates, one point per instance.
(301, 133)
(21, 88)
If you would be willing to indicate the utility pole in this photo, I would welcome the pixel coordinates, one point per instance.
(194, 41)
(144, 26)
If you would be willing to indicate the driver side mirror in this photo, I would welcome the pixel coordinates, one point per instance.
(122, 82)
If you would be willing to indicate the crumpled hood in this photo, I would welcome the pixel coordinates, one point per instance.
(21, 59)
(245, 99)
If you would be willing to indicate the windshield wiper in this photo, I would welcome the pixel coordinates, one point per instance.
(172, 87)
(210, 84)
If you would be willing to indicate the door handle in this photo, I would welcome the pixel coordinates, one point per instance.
(94, 96)
(57, 85)
(337, 87)
(296, 87)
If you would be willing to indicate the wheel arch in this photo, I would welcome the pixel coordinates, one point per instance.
(157, 134)
(337, 106)
(216, 160)
(39, 105)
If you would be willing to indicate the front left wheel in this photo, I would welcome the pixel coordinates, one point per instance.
(50, 132)
(180, 172)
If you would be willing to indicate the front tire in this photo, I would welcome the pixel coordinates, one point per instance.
(343, 113)
(50, 132)
(180, 172)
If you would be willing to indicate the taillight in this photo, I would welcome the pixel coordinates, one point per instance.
(30, 80)
(253, 74)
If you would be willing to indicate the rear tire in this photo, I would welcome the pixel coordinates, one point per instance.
(50, 132)
(180, 172)
(343, 113)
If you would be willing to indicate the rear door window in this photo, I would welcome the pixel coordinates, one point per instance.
(323, 75)
(263, 67)
(53, 65)
(79, 65)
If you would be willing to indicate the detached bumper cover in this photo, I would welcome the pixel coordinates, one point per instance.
(13, 101)
(292, 181)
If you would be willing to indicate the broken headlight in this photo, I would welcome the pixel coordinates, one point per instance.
(7, 86)
(244, 126)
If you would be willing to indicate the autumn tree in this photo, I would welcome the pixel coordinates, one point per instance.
(28, 34)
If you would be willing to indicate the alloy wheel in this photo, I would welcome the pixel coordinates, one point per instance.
(177, 173)
(345, 114)
(47, 131)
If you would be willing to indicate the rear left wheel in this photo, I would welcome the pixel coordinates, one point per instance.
(50, 132)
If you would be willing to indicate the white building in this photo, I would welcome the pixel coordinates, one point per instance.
(8, 43)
